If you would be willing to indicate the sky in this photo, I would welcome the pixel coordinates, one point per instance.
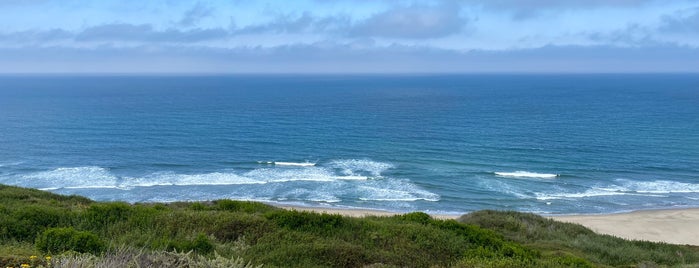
(349, 36)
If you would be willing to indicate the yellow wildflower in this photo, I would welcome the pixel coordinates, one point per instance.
(24, 265)
(33, 257)
(48, 258)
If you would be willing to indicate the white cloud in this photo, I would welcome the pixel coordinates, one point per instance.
(413, 22)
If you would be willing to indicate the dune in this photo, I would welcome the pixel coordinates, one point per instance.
(674, 226)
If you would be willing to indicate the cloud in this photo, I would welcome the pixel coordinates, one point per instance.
(633, 35)
(682, 23)
(331, 57)
(306, 23)
(413, 22)
(198, 12)
(123, 32)
(557, 4)
(34, 36)
(526, 9)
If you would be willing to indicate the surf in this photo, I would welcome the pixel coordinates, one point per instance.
(526, 174)
(291, 164)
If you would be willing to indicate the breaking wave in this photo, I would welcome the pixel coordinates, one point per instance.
(336, 181)
(526, 174)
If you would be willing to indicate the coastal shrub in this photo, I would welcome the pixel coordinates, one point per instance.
(200, 244)
(285, 249)
(239, 226)
(130, 257)
(197, 206)
(26, 222)
(419, 217)
(99, 215)
(58, 240)
(242, 206)
(281, 238)
(578, 242)
(307, 221)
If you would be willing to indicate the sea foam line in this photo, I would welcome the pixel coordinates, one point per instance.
(293, 164)
(526, 174)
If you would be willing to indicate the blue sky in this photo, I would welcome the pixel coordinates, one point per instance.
(348, 36)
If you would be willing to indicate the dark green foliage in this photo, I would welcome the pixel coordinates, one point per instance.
(24, 213)
(57, 240)
(242, 206)
(575, 244)
(197, 206)
(419, 217)
(307, 221)
(201, 244)
(281, 238)
(101, 214)
(239, 226)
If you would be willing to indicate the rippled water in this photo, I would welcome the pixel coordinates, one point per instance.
(443, 144)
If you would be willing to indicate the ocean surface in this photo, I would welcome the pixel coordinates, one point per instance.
(549, 144)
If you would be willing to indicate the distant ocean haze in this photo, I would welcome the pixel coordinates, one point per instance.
(555, 144)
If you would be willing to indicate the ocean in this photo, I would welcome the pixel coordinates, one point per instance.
(449, 144)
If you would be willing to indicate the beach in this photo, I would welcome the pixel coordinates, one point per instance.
(674, 226)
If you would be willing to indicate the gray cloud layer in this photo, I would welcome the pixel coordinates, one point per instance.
(384, 41)
(412, 22)
(198, 12)
(339, 58)
(122, 32)
(682, 24)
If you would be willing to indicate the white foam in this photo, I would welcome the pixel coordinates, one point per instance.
(294, 164)
(8, 164)
(359, 166)
(320, 184)
(656, 187)
(89, 176)
(394, 190)
(399, 199)
(173, 179)
(588, 193)
(526, 174)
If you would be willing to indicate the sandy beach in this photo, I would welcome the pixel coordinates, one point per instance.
(675, 226)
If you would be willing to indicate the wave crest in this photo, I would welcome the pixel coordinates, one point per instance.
(360, 166)
(526, 174)
(337, 181)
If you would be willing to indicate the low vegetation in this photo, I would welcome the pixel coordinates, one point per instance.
(41, 229)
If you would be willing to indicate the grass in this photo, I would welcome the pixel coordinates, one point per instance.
(79, 232)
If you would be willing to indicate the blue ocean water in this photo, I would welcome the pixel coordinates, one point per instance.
(552, 144)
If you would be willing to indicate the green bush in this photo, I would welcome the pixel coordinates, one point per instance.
(419, 217)
(58, 240)
(201, 244)
(32, 221)
(242, 206)
(24, 223)
(99, 215)
(307, 221)
(238, 226)
(577, 242)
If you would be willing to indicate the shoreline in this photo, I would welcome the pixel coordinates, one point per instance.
(674, 226)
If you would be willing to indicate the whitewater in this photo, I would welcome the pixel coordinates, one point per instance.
(447, 144)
